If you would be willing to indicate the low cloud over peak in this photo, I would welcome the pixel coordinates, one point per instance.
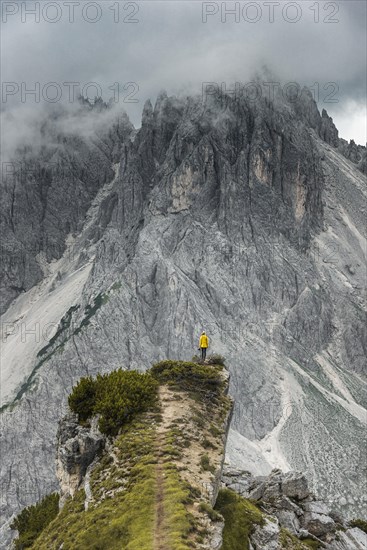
(128, 51)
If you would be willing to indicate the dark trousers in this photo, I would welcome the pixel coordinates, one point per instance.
(203, 353)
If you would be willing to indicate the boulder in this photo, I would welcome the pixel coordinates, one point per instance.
(286, 503)
(239, 481)
(318, 524)
(272, 491)
(317, 507)
(266, 537)
(257, 492)
(295, 485)
(288, 520)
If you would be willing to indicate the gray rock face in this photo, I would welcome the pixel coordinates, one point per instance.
(289, 520)
(224, 215)
(215, 535)
(46, 194)
(328, 132)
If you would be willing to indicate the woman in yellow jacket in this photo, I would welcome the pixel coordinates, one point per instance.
(203, 344)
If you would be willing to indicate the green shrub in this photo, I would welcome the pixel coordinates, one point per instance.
(206, 465)
(33, 520)
(215, 359)
(360, 523)
(207, 444)
(82, 399)
(116, 397)
(188, 376)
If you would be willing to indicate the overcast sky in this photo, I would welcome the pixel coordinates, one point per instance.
(177, 45)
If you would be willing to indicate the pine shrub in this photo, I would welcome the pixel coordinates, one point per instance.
(116, 397)
(83, 398)
(32, 520)
(215, 359)
(186, 375)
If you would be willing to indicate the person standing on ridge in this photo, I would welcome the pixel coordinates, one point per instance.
(203, 344)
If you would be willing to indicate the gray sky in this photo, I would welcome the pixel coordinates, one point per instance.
(166, 45)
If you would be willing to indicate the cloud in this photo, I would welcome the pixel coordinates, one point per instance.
(170, 47)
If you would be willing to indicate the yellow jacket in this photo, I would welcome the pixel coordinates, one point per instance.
(204, 341)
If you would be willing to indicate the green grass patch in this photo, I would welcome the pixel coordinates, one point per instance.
(125, 485)
(240, 517)
(178, 523)
(310, 543)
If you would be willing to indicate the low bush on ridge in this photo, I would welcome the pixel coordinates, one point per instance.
(187, 375)
(215, 359)
(119, 395)
(116, 397)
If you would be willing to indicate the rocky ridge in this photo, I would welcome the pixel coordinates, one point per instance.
(180, 454)
(92, 471)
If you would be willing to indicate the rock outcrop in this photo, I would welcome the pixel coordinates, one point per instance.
(291, 505)
(355, 153)
(77, 448)
(158, 479)
(328, 131)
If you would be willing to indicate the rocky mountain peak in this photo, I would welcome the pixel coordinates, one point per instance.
(219, 212)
